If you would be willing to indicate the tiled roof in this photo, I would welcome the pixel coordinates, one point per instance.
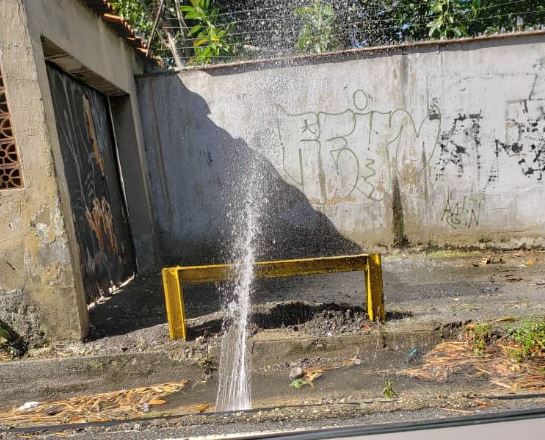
(106, 11)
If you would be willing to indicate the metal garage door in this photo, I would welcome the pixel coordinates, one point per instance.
(99, 214)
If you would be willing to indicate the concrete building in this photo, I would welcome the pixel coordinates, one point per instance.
(106, 170)
(75, 213)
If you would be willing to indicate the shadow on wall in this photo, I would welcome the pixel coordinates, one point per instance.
(197, 172)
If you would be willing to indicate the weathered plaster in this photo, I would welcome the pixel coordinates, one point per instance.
(460, 126)
(41, 292)
(37, 284)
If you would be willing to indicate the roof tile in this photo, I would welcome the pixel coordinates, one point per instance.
(106, 11)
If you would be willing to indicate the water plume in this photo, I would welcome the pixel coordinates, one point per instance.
(234, 388)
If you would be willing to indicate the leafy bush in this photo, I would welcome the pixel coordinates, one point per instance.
(267, 28)
(459, 18)
(481, 337)
(317, 32)
(446, 16)
(531, 337)
(135, 13)
(211, 39)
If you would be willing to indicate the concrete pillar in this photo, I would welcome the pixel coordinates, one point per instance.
(41, 295)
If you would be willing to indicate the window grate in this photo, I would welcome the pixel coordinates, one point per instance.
(10, 170)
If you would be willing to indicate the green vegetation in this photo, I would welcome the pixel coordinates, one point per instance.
(481, 337)
(523, 341)
(462, 18)
(137, 13)
(444, 23)
(298, 383)
(530, 336)
(388, 390)
(194, 30)
(211, 39)
(316, 35)
(187, 29)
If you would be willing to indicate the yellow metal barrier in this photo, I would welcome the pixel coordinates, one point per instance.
(175, 278)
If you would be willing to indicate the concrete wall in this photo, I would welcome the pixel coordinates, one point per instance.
(41, 293)
(448, 139)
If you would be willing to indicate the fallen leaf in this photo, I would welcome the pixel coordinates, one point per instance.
(157, 402)
(506, 319)
(482, 403)
(202, 408)
(52, 411)
(501, 384)
(311, 375)
(100, 407)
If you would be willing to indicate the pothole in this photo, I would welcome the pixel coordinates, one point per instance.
(316, 319)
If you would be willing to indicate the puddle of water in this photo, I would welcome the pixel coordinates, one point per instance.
(273, 389)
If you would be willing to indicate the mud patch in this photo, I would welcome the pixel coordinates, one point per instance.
(315, 319)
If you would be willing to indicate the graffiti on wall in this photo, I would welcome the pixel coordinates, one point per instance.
(525, 137)
(336, 157)
(355, 154)
(462, 213)
(460, 146)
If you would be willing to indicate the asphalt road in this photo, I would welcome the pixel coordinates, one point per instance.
(411, 281)
(252, 426)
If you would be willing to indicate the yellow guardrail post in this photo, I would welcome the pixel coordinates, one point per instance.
(174, 303)
(175, 278)
(374, 288)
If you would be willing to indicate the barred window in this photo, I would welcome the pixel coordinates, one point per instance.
(10, 170)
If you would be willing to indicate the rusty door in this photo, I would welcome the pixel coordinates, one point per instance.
(90, 166)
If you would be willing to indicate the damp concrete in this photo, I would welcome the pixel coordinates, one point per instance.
(429, 297)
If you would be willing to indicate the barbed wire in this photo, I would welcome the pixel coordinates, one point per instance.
(393, 7)
(350, 27)
(426, 18)
(253, 43)
(292, 50)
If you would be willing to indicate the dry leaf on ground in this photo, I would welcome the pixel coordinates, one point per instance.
(157, 402)
(202, 408)
(448, 358)
(114, 405)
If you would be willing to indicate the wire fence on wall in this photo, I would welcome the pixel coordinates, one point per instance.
(268, 29)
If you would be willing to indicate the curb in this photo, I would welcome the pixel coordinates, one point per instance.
(59, 378)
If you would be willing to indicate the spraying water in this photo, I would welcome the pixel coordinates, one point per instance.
(234, 378)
